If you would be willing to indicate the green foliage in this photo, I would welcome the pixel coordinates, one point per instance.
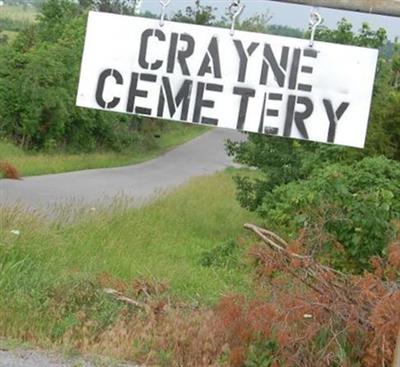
(344, 34)
(354, 205)
(162, 241)
(349, 198)
(49, 162)
(286, 31)
(110, 6)
(38, 81)
(200, 14)
(222, 255)
(262, 354)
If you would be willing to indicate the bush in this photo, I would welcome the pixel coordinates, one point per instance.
(39, 74)
(7, 170)
(347, 211)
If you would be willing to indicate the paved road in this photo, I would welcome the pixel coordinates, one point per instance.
(201, 156)
(26, 358)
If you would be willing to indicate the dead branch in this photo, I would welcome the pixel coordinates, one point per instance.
(396, 360)
(264, 234)
(120, 297)
(337, 287)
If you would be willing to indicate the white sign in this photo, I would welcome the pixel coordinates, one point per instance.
(249, 81)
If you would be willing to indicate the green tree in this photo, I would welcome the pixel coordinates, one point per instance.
(199, 14)
(351, 205)
(296, 179)
(39, 75)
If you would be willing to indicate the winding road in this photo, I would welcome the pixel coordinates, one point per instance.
(201, 156)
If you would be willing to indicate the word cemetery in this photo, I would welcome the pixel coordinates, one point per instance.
(245, 81)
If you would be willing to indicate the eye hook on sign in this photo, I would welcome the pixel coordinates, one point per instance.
(164, 4)
(314, 22)
(235, 9)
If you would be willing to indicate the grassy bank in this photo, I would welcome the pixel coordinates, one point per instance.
(33, 164)
(189, 240)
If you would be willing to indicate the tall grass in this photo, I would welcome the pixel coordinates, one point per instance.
(33, 164)
(49, 271)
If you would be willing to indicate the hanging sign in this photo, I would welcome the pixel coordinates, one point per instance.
(245, 81)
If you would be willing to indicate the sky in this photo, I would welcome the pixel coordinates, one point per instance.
(288, 14)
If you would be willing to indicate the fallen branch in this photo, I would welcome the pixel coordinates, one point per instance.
(264, 234)
(120, 297)
(336, 286)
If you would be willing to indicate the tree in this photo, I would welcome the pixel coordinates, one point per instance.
(39, 75)
(127, 7)
(200, 14)
(294, 172)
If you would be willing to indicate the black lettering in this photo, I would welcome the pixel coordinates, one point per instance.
(245, 93)
(298, 117)
(334, 117)
(143, 48)
(305, 87)
(262, 118)
(183, 97)
(310, 52)
(135, 92)
(182, 54)
(100, 88)
(270, 61)
(244, 57)
(275, 96)
(201, 102)
(294, 71)
(211, 55)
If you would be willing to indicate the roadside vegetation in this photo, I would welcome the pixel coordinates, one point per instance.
(179, 281)
(184, 246)
(41, 130)
(39, 163)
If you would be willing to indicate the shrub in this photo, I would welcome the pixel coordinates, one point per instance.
(9, 171)
(39, 74)
(347, 211)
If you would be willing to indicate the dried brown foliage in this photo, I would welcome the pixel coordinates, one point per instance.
(315, 316)
(171, 335)
(310, 300)
(9, 171)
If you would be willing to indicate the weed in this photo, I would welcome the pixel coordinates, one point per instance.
(222, 255)
(7, 170)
